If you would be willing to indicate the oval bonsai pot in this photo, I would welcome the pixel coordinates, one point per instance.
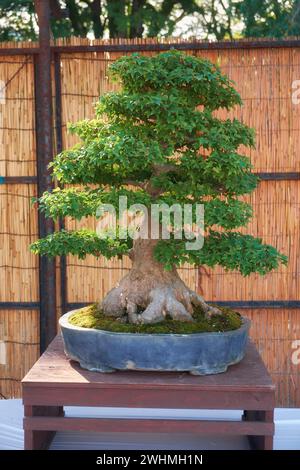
(198, 353)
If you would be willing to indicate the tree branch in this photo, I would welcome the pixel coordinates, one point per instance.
(179, 17)
(136, 28)
(138, 184)
(96, 10)
(74, 16)
(56, 10)
(159, 169)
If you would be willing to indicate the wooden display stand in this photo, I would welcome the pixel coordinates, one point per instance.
(55, 382)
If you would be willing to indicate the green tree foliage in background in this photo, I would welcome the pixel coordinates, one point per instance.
(213, 19)
(127, 19)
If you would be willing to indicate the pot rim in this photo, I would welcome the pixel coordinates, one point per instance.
(63, 322)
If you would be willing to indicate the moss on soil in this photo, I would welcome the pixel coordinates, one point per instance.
(92, 317)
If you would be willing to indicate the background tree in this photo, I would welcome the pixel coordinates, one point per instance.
(229, 19)
(113, 18)
(153, 136)
(213, 19)
(274, 18)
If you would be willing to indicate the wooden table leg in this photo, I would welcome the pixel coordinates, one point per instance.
(39, 440)
(260, 442)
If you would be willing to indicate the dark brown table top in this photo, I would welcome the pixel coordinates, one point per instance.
(55, 369)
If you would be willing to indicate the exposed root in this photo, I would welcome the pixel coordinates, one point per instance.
(198, 301)
(177, 302)
(149, 293)
(113, 304)
(163, 302)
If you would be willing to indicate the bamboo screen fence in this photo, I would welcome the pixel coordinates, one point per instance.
(264, 77)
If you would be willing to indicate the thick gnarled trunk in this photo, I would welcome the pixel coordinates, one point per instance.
(148, 293)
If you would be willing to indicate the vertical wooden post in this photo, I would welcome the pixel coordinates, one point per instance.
(59, 148)
(44, 120)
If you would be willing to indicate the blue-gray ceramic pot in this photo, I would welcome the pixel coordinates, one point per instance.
(198, 353)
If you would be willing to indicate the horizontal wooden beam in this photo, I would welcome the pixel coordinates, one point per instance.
(247, 304)
(184, 46)
(244, 428)
(276, 304)
(19, 51)
(192, 45)
(282, 176)
(266, 176)
(19, 305)
(18, 179)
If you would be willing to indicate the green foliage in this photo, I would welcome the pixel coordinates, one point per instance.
(273, 18)
(160, 136)
(78, 203)
(228, 214)
(194, 82)
(116, 18)
(231, 250)
(213, 19)
(246, 18)
(80, 243)
(230, 171)
(17, 20)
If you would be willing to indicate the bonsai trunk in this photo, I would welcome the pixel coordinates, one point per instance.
(148, 293)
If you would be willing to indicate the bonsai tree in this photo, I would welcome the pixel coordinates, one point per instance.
(158, 141)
